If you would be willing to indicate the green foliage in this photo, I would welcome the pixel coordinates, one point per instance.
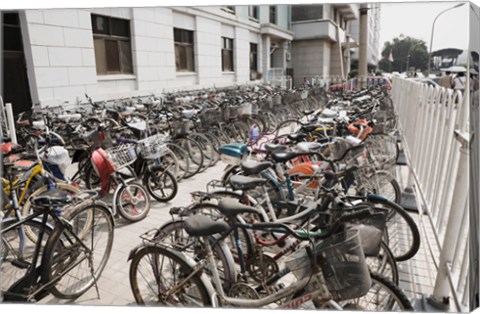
(401, 48)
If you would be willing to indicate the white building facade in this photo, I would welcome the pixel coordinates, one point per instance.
(321, 45)
(117, 52)
(373, 47)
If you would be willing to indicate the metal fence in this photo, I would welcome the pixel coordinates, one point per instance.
(434, 124)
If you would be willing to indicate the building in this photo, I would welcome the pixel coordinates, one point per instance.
(321, 45)
(373, 54)
(53, 56)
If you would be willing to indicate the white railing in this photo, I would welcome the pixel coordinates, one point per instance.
(434, 123)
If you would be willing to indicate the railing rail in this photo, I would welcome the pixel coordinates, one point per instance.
(434, 123)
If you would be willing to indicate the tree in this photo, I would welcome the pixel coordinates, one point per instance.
(401, 48)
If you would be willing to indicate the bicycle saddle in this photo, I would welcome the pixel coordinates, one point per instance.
(52, 197)
(239, 182)
(275, 147)
(231, 207)
(308, 112)
(283, 157)
(252, 167)
(201, 225)
(297, 137)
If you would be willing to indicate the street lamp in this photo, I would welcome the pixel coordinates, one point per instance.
(433, 26)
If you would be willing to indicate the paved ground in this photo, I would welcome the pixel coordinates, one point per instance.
(416, 277)
(114, 285)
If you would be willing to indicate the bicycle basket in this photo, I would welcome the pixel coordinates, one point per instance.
(153, 147)
(343, 265)
(371, 230)
(121, 156)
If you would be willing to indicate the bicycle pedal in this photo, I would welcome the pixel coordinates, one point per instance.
(20, 264)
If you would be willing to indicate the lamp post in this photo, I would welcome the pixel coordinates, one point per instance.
(433, 27)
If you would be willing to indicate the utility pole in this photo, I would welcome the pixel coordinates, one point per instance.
(363, 51)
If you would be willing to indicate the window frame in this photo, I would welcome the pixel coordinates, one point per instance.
(274, 11)
(118, 39)
(231, 50)
(253, 12)
(184, 44)
(253, 56)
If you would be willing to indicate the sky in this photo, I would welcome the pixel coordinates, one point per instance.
(416, 20)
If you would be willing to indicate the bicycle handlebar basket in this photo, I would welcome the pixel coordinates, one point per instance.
(121, 156)
(342, 264)
(153, 146)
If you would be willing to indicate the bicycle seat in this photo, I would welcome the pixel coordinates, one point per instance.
(275, 147)
(310, 127)
(239, 182)
(53, 197)
(252, 167)
(296, 137)
(283, 157)
(231, 207)
(308, 112)
(201, 225)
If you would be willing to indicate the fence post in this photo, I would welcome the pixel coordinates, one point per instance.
(11, 123)
(441, 292)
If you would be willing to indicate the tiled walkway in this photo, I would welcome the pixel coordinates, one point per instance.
(416, 275)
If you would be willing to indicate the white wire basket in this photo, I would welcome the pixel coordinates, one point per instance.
(153, 147)
(121, 156)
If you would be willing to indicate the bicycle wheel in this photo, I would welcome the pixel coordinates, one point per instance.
(379, 183)
(91, 178)
(155, 277)
(382, 296)
(133, 202)
(16, 250)
(161, 184)
(207, 149)
(384, 263)
(170, 161)
(183, 161)
(403, 233)
(28, 210)
(194, 153)
(75, 260)
(173, 233)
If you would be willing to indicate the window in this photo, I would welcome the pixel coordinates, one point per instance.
(306, 12)
(184, 55)
(253, 61)
(273, 14)
(253, 12)
(111, 41)
(227, 54)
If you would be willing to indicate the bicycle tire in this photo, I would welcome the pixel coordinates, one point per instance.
(156, 183)
(399, 225)
(194, 153)
(11, 247)
(27, 207)
(384, 263)
(151, 258)
(183, 161)
(396, 298)
(62, 251)
(173, 233)
(127, 209)
(207, 149)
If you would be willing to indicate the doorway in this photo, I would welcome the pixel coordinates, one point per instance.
(15, 86)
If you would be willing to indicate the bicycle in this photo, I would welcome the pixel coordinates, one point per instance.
(190, 285)
(65, 260)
